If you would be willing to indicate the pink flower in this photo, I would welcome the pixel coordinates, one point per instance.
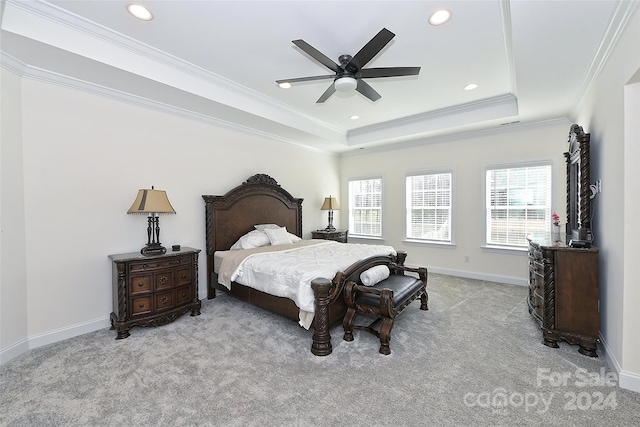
(555, 218)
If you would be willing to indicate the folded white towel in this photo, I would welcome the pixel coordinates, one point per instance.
(374, 275)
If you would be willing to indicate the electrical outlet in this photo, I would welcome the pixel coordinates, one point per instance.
(466, 258)
(599, 185)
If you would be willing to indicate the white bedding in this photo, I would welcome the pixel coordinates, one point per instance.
(287, 270)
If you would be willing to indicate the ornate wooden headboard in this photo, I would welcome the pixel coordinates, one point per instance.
(258, 200)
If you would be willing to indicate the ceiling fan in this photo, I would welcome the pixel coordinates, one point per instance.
(350, 72)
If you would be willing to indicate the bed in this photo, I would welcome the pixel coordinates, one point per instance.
(261, 200)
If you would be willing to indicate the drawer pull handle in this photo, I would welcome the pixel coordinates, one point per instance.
(141, 305)
(164, 300)
(184, 294)
(141, 284)
(163, 280)
(144, 266)
(184, 276)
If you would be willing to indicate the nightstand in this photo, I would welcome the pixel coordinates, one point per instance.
(153, 290)
(337, 235)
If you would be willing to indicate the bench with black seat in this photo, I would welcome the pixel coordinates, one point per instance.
(384, 300)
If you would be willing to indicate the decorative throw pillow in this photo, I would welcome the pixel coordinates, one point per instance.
(253, 239)
(374, 275)
(278, 236)
(263, 227)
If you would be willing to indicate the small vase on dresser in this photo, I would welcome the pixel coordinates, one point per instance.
(555, 233)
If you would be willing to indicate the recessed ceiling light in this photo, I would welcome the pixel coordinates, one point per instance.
(354, 117)
(470, 86)
(285, 85)
(140, 12)
(440, 17)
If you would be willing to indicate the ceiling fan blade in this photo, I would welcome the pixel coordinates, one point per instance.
(327, 93)
(306, 79)
(316, 54)
(389, 72)
(371, 49)
(364, 88)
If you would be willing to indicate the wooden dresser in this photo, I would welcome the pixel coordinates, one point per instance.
(153, 290)
(337, 235)
(563, 293)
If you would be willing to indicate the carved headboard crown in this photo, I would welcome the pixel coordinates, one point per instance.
(258, 200)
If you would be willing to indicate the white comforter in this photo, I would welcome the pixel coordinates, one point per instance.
(289, 272)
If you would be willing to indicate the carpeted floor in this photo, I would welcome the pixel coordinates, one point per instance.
(474, 359)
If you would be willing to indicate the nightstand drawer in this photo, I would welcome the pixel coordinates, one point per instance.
(141, 305)
(164, 300)
(164, 280)
(157, 264)
(139, 284)
(183, 276)
(183, 295)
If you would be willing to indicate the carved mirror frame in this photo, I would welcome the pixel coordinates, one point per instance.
(578, 181)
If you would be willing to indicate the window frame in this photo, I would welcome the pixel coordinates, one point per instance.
(452, 207)
(514, 165)
(352, 233)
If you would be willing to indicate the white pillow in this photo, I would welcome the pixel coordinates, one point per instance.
(253, 239)
(278, 236)
(294, 238)
(374, 275)
(263, 227)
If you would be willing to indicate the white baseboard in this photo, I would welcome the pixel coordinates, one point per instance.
(479, 276)
(13, 351)
(629, 381)
(626, 380)
(51, 337)
(69, 332)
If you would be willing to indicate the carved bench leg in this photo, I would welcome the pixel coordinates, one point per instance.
(424, 301)
(347, 324)
(385, 335)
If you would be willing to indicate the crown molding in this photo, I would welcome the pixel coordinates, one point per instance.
(38, 74)
(463, 135)
(418, 125)
(621, 16)
(241, 96)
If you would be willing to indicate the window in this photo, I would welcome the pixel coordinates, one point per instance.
(365, 207)
(429, 207)
(518, 203)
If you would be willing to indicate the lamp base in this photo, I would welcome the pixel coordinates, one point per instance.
(330, 228)
(153, 249)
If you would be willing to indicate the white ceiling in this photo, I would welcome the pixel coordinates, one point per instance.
(218, 60)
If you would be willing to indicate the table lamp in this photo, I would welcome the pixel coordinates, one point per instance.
(330, 204)
(152, 202)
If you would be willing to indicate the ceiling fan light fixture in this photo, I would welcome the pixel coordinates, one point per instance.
(345, 84)
(439, 17)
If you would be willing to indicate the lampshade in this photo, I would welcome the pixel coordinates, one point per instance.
(345, 84)
(151, 201)
(330, 204)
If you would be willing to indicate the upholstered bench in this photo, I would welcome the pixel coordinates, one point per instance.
(385, 300)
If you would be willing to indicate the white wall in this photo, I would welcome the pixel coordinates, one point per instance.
(467, 156)
(13, 289)
(84, 158)
(614, 158)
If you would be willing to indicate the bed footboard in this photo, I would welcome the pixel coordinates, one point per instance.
(327, 291)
